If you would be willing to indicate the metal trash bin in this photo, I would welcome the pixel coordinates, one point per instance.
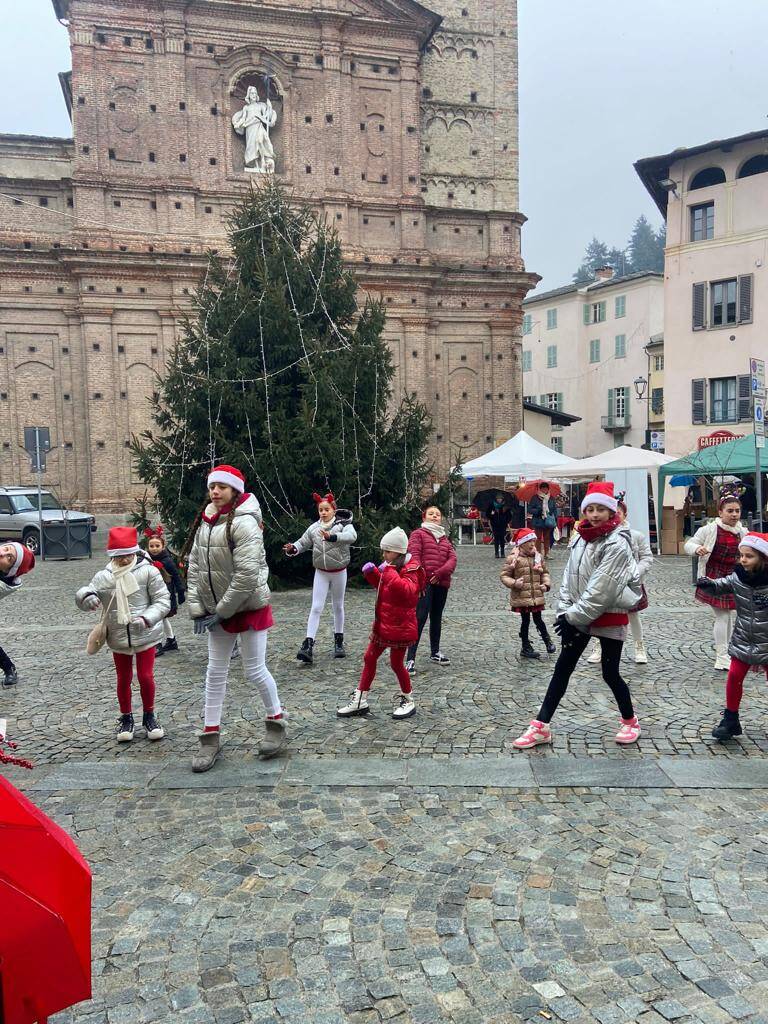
(64, 539)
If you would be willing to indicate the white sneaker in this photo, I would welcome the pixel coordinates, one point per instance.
(358, 705)
(125, 729)
(641, 658)
(410, 667)
(405, 706)
(595, 656)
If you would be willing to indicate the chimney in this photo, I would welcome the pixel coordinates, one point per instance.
(604, 273)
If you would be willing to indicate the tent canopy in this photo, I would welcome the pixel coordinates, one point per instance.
(730, 458)
(522, 456)
(622, 458)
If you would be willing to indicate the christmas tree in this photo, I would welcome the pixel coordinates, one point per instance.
(282, 373)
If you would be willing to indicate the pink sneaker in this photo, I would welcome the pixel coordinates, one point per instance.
(629, 731)
(536, 733)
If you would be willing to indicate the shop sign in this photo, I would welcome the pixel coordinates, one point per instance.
(717, 437)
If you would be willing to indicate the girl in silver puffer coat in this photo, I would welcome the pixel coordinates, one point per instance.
(600, 586)
(748, 647)
(228, 598)
(134, 600)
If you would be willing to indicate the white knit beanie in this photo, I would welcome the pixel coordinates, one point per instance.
(395, 540)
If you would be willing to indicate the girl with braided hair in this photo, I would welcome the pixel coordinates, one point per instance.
(228, 597)
(330, 539)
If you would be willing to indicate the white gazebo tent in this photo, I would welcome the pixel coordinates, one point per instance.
(522, 456)
(628, 469)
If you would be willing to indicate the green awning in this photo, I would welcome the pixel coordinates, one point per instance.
(732, 458)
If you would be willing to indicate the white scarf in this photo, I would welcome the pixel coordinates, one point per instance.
(437, 531)
(738, 528)
(125, 585)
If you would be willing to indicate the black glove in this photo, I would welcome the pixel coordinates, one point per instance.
(565, 630)
(705, 583)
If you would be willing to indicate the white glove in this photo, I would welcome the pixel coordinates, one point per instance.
(138, 623)
(92, 603)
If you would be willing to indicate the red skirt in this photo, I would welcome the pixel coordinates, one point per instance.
(721, 563)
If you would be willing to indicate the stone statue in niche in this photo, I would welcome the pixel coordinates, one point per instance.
(254, 121)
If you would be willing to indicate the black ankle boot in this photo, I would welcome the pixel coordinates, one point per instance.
(729, 726)
(547, 641)
(338, 646)
(527, 651)
(305, 651)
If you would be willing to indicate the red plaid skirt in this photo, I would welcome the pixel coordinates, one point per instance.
(721, 563)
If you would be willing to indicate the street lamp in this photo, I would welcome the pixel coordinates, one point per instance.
(641, 387)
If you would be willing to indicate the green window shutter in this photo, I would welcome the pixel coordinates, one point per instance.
(543, 401)
(586, 312)
(611, 402)
(601, 313)
(559, 401)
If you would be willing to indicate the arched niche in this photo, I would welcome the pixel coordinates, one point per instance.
(265, 84)
(707, 177)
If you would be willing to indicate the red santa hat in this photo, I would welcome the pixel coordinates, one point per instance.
(24, 561)
(523, 535)
(758, 541)
(122, 540)
(227, 475)
(600, 494)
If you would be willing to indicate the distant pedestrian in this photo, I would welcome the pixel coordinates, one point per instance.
(431, 548)
(329, 539)
(717, 547)
(748, 648)
(525, 574)
(229, 598)
(499, 517)
(543, 512)
(16, 560)
(600, 585)
(164, 560)
(641, 550)
(399, 580)
(133, 599)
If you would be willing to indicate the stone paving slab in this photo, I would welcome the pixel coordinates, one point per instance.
(518, 772)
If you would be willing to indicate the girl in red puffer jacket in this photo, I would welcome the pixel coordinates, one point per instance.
(432, 548)
(399, 581)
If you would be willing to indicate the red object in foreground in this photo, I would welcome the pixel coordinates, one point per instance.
(526, 491)
(45, 903)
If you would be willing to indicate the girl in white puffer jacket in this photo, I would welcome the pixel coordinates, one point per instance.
(228, 597)
(330, 540)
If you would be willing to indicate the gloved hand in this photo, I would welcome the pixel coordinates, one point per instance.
(201, 625)
(289, 549)
(138, 623)
(368, 567)
(383, 566)
(705, 583)
(211, 621)
(92, 603)
(565, 630)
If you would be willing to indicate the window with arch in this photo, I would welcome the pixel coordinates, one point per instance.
(755, 165)
(707, 177)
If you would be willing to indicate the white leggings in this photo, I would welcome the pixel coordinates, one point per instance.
(636, 627)
(722, 627)
(336, 582)
(254, 652)
(168, 629)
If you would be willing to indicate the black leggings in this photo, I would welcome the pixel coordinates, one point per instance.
(564, 668)
(525, 625)
(6, 665)
(499, 540)
(431, 605)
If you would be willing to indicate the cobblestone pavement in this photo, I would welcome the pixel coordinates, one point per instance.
(415, 871)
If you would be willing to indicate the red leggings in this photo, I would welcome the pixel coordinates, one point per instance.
(396, 659)
(734, 684)
(145, 670)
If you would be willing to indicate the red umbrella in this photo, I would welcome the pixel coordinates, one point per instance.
(527, 490)
(45, 901)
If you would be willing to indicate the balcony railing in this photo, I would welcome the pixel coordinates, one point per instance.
(613, 422)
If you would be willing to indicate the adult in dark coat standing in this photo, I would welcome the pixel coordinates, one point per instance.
(499, 516)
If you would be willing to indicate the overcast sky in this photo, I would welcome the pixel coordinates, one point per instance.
(601, 85)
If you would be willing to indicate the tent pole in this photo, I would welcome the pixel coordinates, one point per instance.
(758, 487)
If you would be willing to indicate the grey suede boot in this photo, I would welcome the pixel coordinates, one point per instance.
(274, 737)
(209, 744)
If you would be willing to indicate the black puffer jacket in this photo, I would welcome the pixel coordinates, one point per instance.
(749, 640)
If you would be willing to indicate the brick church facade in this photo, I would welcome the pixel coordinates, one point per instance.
(397, 121)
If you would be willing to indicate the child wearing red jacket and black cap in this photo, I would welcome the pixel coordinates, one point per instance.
(15, 561)
(399, 581)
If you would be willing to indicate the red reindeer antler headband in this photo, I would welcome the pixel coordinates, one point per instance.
(317, 498)
(156, 531)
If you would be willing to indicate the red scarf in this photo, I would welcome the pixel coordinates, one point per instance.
(590, 533)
